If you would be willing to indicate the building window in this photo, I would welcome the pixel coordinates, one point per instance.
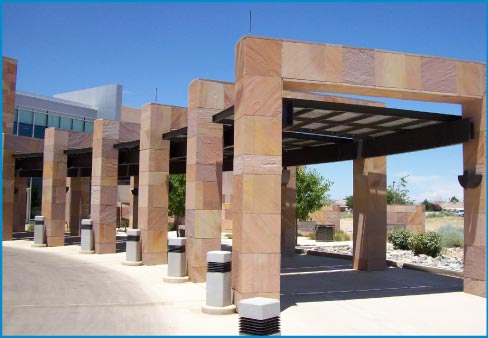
(65, 123)
(77, 125)
(40, 122)
(88, 127)
(52, 121)
(25, 123)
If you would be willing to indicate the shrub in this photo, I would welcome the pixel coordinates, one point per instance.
(451, 236)
(172, 226)
(228, 236)
(340, 235)
(400, 239)
(311, 235)
(427, 243)
(30, 227)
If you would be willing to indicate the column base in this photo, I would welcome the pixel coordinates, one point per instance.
(129, 263)
(87, 252)
(169, 279)
(39, 245)
(219, 310)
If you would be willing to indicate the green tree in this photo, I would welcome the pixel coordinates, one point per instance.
(349, 202)
(453, 199)
(312, 191)
(176, 205)
(397, 193)
(431, 206)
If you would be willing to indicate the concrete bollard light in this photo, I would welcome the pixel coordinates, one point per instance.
(133, 248)
(39, 232)
(87, 242)
(219, 300)
(176, 261)
(259, 316)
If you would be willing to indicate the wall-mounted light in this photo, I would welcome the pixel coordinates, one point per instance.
(67, 189)
(134, 191)
(469, 180)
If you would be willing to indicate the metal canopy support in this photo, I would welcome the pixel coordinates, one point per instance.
(436, 136)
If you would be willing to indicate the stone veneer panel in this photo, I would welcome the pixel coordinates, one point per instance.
(369, 219)
(11, 145)
(288, 214)
(9, 80)
(474, 154)
(106, 133)
(257, 208)
(203, 217)
(54, 185)
(153, 183)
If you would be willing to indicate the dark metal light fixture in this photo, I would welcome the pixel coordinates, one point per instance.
(134, 191)
(469, 180)
(285, 176)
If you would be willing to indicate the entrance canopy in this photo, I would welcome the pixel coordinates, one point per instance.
(321, 132)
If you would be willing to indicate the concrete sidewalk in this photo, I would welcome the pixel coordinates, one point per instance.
(320, 296)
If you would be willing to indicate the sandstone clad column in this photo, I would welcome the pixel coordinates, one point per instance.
(134, 205)
(256, 251)
(203, 216)
(153, 183)
(54, 185)
(474, 154)
(288, 213)
(104, 185)
(9, 79)
(369, 219)
(74, 202)
(20, 203)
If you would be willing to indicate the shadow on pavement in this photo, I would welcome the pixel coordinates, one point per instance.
(317, 279)
(69, 240)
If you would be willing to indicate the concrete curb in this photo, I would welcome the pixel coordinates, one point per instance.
(169, 279)
(87, 252)
(129, 263)
(217, 310)
(39, 245)
(411, 266)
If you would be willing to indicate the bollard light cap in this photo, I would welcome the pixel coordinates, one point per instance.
(133, 232)
(180, 241)
(219, 256)
(259, 308)
(86, 221)
(39, 218)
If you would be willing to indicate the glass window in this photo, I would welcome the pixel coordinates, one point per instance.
(77, 125)
(65, 123)
(89, 127)
(25, 116)
(53, 121)
(15, 128)
(16, 115)
(39, 131)
(25, 129)
(40, 119)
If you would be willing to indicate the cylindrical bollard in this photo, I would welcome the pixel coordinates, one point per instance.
(219, 290)
(87, 242)
(39, 232)
(176, 261)
(133, 248)
(259, 316)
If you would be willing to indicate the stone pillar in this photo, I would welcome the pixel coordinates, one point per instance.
(256, 251)
(288, 212)
(369, 219)
(153, 183)
(104, 185)
(74, 202)
(474, 155)
(20, 202)
(134, 205)
(203, 216)
(54, 185)
(9, 80)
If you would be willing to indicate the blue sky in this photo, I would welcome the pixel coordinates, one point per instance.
(62, 47)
